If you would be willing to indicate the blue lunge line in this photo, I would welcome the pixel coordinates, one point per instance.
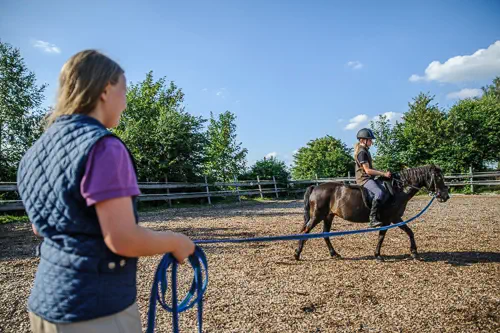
(309, 236)
(199, 263)
(198, 286)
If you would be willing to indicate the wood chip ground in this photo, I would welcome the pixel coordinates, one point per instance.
(259, 287)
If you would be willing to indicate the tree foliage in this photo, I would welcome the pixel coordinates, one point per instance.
(20, 110)
(165, 140)
(473, 130)
(324, 157)
(465, 136)
(225, 158)
(266, 168)
(386, 157)
(168, 142)
(422, 134)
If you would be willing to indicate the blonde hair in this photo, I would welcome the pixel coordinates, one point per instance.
(356, 150)
(82, 80)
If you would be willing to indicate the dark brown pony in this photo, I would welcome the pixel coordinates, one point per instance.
(324, 202)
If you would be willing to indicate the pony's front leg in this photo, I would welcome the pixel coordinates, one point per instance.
(381, 236)
(327, 226)
(309, 226)
(413, 245)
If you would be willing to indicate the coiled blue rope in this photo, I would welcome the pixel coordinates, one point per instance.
(199, 262)
(198, 259)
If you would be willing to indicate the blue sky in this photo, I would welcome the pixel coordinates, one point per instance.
(291, 71)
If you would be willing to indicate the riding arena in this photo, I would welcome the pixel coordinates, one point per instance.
(452, 286)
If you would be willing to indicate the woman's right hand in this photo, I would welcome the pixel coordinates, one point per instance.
(387, 174)
(184, 248)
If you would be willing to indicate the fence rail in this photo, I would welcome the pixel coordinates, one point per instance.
(238, 188)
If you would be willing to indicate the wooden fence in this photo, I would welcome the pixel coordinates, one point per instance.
(259, 187)
(236, 188)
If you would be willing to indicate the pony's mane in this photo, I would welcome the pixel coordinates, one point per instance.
(416, 175)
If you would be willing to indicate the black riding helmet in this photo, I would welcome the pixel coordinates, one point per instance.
(365, 133)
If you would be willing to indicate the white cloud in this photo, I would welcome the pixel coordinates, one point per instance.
(295, 151)
(415, 78)
(221, 93)
(483, 64)
(356, 122)
(465, 93)
(204, 89)
(363, 120)
(355, 64)
(46, 46)
(272, 155)
(237, 101)
(340, 120)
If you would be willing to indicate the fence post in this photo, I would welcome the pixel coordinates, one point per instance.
(237, 189)
(349, 176)
(208, 191)
(168, 192)
(260, 187)
(275, 187)
(471, 180)
(317, 183)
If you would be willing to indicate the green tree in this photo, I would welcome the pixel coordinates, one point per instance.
(267, 168)
(387, 155)
(473, 128)
(224, 156)
(325, 157)
(493, 89)
(20, 110)
(165, 140)
(421, 137)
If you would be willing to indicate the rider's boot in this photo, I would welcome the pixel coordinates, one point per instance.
(374, 223)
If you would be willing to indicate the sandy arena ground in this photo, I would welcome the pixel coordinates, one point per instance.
(455, 287)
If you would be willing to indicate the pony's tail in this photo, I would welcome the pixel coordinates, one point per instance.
(307, 205)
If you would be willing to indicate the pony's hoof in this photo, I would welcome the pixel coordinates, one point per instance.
(379, 258)
(336, 256)
(296, 256)
(415, 256)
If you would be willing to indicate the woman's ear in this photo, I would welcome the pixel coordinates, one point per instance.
(104, 94)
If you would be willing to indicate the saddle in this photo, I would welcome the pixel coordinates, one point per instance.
(364, 192)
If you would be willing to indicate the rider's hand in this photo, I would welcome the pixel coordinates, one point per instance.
(387, 174)
(184, 248)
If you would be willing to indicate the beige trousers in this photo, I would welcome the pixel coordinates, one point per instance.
(127, 321)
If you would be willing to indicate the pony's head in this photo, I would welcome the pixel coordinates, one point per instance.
(436, 183)
(429, 176)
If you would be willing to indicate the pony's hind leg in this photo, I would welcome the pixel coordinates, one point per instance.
(327, 226)
(306, 229)
(381, 236)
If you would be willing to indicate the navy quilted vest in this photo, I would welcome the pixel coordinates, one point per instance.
(78, 277)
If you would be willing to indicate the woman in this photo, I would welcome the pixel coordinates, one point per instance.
(79, 187)
(365, 174)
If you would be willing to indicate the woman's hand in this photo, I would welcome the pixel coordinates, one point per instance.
(387, 174)
(184, 248)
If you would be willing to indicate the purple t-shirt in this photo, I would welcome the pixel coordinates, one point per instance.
(109, 172)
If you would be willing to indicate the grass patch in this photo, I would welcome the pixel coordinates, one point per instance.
(4, 219)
